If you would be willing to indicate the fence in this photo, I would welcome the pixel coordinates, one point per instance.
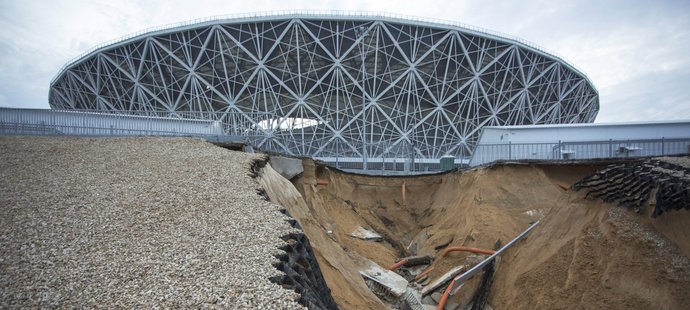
(245, 128)
(50, 122)
(568, 150)
(385, 165)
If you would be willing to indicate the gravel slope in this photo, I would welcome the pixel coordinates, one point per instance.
(135, 222)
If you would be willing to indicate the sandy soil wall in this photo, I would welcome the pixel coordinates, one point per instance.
(585, 254)
(338, 265)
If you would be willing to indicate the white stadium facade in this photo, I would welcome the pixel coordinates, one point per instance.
(368, 87)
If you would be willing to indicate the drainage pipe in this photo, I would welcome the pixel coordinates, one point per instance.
(466, 249)
(446, 293)
(398, 264)
(424, 273)
(412, 261)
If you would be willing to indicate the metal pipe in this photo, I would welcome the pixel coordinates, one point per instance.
(469, 273)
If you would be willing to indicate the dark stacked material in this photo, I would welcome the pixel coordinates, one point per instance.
(302, 273)
(632, 184)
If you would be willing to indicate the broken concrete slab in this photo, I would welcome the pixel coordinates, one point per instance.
(451, 306)
(436, 297)
(365, 234)
(391, 281)
(287, 167)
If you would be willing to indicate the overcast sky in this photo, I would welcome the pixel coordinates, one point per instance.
(636, 52)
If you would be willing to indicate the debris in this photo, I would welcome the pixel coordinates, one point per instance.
(286, 166)
(425, 273)
(427, 300)
(390, 283)
(414, 271)
(538, 213)
(418, 260)
(444, 242)
(425, 281)
(459, 280)
(411, 300)
(412, 261)
(365, 234)
(442, 280)
(418, 240)
(398, 264)
(474, 259)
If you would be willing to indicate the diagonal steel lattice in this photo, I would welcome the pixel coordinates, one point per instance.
(373, 87)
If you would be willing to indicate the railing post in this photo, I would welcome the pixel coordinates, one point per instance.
(510, 150)
(662, 146)
(610, 148)
(559, 153)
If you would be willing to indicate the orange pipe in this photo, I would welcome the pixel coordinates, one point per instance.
(404, 195)
(564, 187)
(425, 272)
(398, 264)
(446, 293)
(465, 249)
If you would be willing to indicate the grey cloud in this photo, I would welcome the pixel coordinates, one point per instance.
(655, 96)
(621, 45)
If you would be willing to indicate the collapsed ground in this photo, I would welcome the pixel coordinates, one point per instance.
(143, 222)
(585, 253)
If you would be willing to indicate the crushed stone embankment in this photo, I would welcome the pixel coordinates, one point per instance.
(135, 223)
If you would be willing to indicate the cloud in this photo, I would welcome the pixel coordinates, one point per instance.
(624, 46)
(654, 96)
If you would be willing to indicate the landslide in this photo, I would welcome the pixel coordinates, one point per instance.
(584, 254)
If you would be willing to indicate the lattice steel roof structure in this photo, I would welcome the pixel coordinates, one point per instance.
(333, 85)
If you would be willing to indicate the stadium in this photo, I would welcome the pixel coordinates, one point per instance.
(363, 88)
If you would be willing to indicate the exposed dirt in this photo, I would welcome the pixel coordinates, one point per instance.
(584, 254)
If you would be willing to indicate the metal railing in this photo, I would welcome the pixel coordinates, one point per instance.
(242, 128)
(579, 150)
(385, 165)
(87, 123)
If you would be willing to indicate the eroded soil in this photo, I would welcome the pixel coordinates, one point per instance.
(584, 254)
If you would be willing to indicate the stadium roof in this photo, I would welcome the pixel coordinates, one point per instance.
(317, 14)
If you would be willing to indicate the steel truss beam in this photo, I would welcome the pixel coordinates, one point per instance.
(374, 88)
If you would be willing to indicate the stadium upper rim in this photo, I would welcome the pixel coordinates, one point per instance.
(328, 14)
